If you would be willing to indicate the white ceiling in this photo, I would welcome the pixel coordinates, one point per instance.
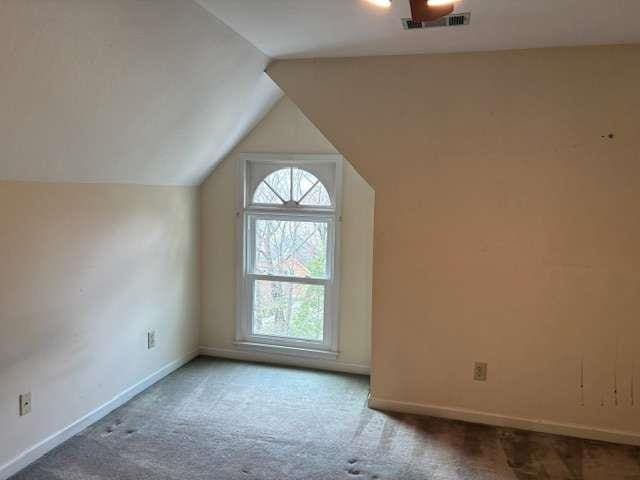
(314, 28)
(123, 91)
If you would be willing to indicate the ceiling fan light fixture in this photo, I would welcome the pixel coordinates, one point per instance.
(440, 3)
(425, 11)
(380, 3)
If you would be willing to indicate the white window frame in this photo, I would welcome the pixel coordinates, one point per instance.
(246, 215)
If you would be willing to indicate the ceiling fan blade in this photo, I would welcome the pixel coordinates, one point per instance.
(421, 12)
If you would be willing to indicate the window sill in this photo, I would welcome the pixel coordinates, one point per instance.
(289, 351)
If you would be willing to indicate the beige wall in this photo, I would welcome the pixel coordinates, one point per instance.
(507, 224)
(284, 130)
(86, 271)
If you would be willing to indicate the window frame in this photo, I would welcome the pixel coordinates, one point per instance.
(246, 215)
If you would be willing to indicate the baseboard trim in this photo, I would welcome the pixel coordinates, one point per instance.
(537, 425)
(38, 450)
(283, 359)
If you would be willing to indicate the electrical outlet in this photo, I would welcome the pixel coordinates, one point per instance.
(151, 339)
(25, 404)
(480, 372)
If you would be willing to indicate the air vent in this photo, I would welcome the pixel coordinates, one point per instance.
(455, 20)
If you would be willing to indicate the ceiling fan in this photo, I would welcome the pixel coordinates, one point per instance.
(430, 10)
(424, 10)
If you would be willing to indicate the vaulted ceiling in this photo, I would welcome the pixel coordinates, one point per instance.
(319, 28)
(124, 91)
(159, 91)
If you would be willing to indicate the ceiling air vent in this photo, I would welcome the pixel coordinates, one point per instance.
(455, 20)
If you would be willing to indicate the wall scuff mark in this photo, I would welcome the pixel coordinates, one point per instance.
(633, 378)
(615, 372)
(582, 381)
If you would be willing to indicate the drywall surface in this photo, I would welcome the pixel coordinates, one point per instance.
(151, 92)
(339, 28)
(86, 271)
(284, 130)
(507, 224)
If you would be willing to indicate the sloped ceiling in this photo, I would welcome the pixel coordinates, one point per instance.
(326, 28)
(150, 91)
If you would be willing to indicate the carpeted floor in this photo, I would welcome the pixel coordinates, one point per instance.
(223, 420)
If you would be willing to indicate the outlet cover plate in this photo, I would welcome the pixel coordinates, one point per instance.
(480, 372)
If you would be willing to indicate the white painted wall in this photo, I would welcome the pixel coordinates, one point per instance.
(284, 130)
(85, 272)
(151, 92)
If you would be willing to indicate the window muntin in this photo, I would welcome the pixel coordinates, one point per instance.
(291, 186)
(290, 229)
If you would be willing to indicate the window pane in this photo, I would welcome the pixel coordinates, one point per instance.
(303, 181)
(318, 196)
(279, 183)
(288, 310)
(290, 248)
(265, 195)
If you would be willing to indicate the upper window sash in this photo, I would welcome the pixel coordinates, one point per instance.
(294, 262)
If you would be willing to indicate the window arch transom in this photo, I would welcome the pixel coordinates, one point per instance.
(292, 187)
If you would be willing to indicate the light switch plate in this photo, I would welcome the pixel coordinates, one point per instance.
(25, 404)
(151, 339)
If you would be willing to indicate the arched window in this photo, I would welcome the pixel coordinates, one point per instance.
(292, 187)
(290, 227)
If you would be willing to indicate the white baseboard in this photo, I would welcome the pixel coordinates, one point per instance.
(473, 416)
(38, 450)
(283, 359)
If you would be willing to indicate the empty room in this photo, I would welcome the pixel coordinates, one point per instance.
(319, 240)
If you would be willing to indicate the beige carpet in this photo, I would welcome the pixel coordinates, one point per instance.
(223, 420)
